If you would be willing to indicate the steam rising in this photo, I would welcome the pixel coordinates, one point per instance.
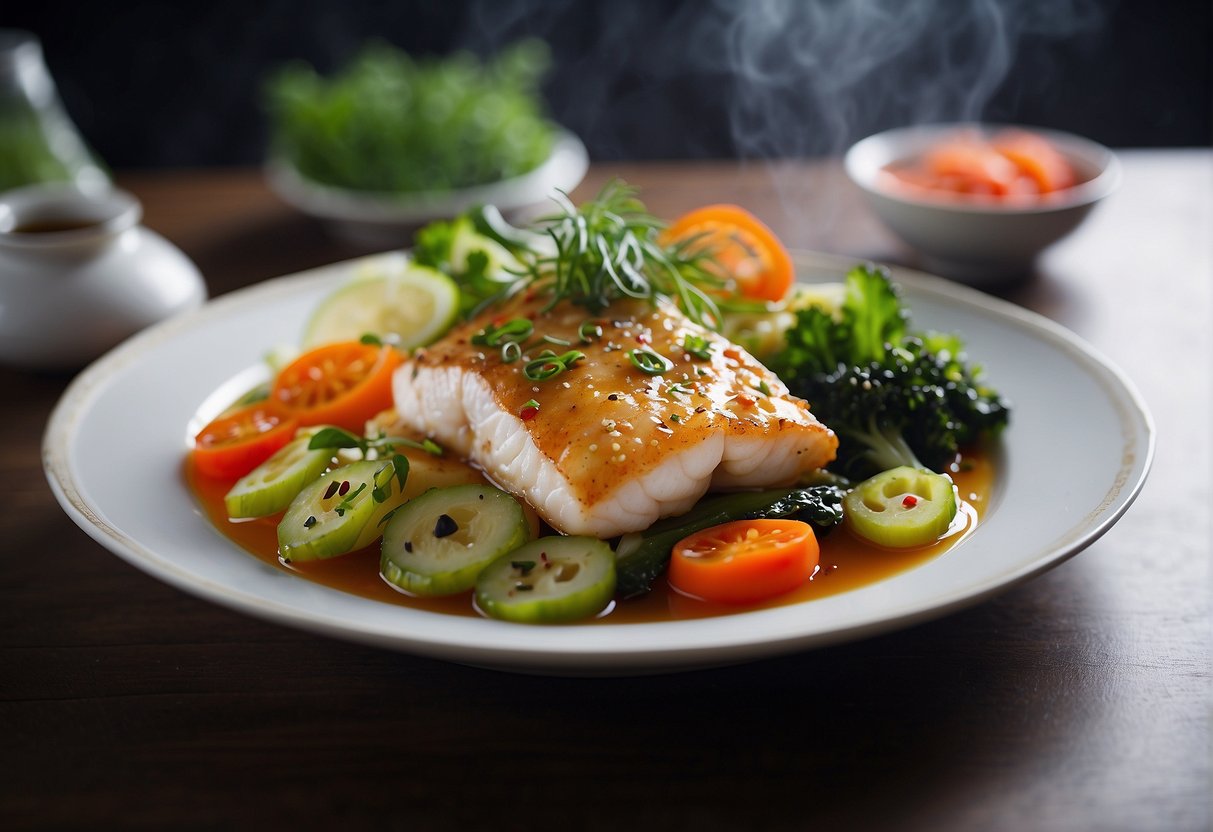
(786, 78)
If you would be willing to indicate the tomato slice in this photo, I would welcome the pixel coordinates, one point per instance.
(342, 384)
(745, 561)
(1037, 159)
(747, 251)
(236, 443)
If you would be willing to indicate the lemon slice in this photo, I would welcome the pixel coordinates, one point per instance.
(412, 306)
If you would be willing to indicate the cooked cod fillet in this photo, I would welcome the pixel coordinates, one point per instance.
(611, 449)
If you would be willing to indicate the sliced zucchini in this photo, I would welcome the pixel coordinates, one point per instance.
(901, 508)
(414, 306)
(271, 486)
(437, 543)
(549, 580)
(327, 517)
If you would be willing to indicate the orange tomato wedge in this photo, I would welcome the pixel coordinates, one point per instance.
(1037, 159)
(745, 561)
(971, 167)
(342, 384)
(747, 251)
(234, 444)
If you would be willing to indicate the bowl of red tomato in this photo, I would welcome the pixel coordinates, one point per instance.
(980, 202)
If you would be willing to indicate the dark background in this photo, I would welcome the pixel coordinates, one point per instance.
(152, 85)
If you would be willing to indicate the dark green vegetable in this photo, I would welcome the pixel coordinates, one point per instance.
(643, 556)
(389, 123)
(893, 398)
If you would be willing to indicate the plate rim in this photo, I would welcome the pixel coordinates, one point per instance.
(594, 655)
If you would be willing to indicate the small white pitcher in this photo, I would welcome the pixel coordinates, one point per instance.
(78, 274)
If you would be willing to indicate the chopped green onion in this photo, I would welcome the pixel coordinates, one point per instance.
(649, 361)
(697, 346)
(589, 331)
(511, 351)
(515, 329)
(763, 388)
(549, 365)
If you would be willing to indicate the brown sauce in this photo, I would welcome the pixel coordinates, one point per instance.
(846, 562)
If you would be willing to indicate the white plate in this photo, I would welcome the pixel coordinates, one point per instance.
(1076, 454)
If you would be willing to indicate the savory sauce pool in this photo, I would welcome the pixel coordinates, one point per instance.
(846, 562)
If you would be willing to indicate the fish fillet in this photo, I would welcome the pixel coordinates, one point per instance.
(611, 449)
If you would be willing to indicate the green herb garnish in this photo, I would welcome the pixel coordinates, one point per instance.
(697, 346)
(650, 362)
(608, 249)
(550, 365)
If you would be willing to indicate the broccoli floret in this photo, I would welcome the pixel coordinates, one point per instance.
(892, 398)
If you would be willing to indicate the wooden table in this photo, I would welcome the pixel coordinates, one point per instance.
(1080, 700)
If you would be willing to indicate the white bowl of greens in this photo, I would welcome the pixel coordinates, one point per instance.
(391, 142)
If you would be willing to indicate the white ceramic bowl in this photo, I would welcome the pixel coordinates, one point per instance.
(385, 219)
(972, 241)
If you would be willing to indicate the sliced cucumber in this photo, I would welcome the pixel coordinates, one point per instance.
(426, 471)
(549, 580)
(901, 508)
(415, 305)
(438, 543)
(327, 517)
(271, 486)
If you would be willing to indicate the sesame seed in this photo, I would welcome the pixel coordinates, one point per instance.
(614, 446)
(593, 447)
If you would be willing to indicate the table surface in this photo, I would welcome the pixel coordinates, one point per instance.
(1080, 700)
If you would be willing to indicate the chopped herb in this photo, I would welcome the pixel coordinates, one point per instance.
(697, 346)
(677, 388)
(511, 351)
(348, 503)
(589, 331)
(371, 339)
(650, 362)
(560, 342)
(763, 388)
(523, 566)
(515, 329)
(549, 365)
(674, 417)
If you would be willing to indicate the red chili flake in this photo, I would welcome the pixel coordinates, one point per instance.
(344, 489)
(910, 501)
(528, 413)
(745, 401)
(643, 338)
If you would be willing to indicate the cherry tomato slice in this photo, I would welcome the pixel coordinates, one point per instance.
(236, 443)
(745, 561)
(747, 251)
(342, 384)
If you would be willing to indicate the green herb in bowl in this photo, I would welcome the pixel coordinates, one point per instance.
(390, 123)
